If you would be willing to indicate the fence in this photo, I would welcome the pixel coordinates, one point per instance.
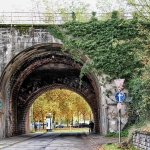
(49, 18)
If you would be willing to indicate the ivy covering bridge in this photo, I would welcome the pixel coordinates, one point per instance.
(118, 47)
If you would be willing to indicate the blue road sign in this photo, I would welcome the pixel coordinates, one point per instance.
(119, 97)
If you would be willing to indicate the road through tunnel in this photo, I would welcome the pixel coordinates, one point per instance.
(36, 70)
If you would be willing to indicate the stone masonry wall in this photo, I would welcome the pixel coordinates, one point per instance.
(141, 140)
(13, 42)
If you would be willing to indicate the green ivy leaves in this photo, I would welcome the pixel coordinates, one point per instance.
(110, 44)
(115, 47)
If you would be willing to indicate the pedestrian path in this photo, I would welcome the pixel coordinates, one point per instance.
(98, 140)
(16, 139)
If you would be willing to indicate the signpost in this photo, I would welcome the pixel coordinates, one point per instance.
(0, 104)
(119, 83)
(119, 127)
(119, 106)
(119, 96)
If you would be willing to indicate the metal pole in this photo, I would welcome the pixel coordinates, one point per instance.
(119, 117)
(50, 123)
(32, 118)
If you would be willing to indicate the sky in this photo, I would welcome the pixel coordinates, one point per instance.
(32, 10)
(35, 8)
(26, 5)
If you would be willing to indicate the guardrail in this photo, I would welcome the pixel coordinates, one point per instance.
(48, 18)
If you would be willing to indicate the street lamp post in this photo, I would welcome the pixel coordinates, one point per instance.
(49, 122)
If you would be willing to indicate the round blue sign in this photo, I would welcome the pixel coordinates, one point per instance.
(119, 97)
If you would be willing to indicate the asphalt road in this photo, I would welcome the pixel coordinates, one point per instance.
(55, 141)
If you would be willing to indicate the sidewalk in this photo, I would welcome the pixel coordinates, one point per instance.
(99, 140)
(16, 139)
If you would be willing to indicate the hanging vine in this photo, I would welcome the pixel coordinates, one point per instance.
(115, 46)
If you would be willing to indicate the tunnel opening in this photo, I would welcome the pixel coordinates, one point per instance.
(66, 109)
(36, 70)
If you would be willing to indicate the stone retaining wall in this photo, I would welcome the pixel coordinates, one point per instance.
(141, 140)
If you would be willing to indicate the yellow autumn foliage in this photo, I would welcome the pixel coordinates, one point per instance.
(61, 103)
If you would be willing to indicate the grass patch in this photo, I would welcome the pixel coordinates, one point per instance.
(32, 131)
(112, 146)
(118, 146)
(71, 130)
(65, 129)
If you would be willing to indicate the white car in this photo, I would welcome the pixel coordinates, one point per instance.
(59, 126)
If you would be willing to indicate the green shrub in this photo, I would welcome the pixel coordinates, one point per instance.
(124, 133)
(32, 131)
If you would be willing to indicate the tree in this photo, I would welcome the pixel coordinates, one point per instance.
(58, 11)
(81, 9)
(141, 84)
(141, 8)
(106, 7)
(62, 104)
(39, 110)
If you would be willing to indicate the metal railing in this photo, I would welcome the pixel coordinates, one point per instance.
(48, 18)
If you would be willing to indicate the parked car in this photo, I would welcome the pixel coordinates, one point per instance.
(84, 125)
(76, 125)
(80, 125)
(59, 126)
(70, 125)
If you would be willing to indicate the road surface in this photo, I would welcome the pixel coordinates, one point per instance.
(55, 141)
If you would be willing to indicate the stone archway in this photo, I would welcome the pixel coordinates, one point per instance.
(36, 70)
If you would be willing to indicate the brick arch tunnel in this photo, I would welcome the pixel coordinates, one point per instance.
(36, 70)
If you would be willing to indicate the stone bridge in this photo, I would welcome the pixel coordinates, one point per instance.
(31, 63)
